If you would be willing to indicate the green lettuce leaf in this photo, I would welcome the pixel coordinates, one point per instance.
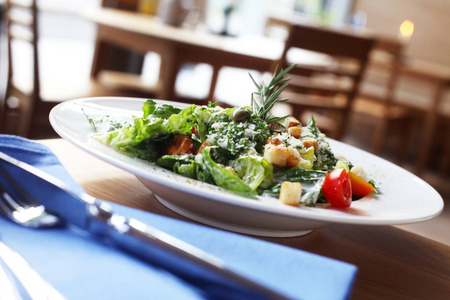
(159, 122)
(183, 122)
(225, 178)
(141, 130)
(253, 170)
(164, 111)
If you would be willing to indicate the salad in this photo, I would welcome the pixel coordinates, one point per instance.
(244, 150)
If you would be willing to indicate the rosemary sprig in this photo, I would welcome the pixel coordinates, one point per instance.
(268, 95)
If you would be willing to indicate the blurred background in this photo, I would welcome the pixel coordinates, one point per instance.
(394, 101)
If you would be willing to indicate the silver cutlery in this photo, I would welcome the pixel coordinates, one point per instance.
(9, 286)
(96, 217)
(24, 282)
(29, 214)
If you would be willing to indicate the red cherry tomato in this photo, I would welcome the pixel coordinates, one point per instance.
(337, 188)
(180, 144)
(360, 187)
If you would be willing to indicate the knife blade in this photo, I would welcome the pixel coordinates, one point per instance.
(77, 208)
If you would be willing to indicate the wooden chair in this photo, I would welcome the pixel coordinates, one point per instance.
(377, 98)
(326, 85)
(29, 100)
(121, 60)
(434, 142)
(122, 68)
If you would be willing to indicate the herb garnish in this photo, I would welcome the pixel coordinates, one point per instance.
(268, 95)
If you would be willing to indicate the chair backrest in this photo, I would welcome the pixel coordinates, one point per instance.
(382, 72)
(335, 44)
(328, 41)
(117, 58)
(335, 64)
(21, 26)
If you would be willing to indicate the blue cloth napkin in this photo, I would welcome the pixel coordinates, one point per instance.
(81, 267)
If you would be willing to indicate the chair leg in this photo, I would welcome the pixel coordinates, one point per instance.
(40, 126)
(5, 110)
(445, 161)
(342, 123)
(26, 115)
(3, 116)
(404, 140)
(380, 136)
(15, 119)
(213, 84)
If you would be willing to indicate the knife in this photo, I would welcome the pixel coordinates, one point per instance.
(78, 209)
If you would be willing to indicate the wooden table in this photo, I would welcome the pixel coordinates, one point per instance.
(144, 33)
(392, 263)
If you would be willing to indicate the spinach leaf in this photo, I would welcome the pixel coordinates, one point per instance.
(147, 150)
(187, 166)
(168, 161)
(194, 170)
(312, 195)
(298, 174)
(311, 125)
(273, 191)
(221, 156)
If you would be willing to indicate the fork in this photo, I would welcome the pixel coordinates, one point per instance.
(33, 216)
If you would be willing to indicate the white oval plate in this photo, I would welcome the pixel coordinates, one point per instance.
(404, 197)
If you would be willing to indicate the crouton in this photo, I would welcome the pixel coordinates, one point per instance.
(310, 143)
(291, 122)
(276, 154)
(293, 159)
(274, 140)
(282, 156)
(295, 132)
(290, 193)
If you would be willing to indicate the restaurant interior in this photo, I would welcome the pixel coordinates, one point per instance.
(389, 97)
